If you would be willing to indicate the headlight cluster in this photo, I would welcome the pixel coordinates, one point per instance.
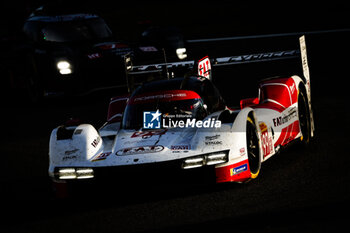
(207, 159)
(64, 67)
(74, 173)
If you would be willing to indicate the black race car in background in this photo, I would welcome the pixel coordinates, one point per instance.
(65, 53)
(69, 54)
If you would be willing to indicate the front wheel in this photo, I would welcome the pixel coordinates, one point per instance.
(253, 149)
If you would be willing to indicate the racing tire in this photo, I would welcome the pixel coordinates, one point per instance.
(253, 148)
(304, 119)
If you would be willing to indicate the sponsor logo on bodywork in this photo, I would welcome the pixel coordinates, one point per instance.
(140, 150)
(148, 134)
(239, 169)
(101, 156)
(69, 152)
(213, 143)
(255, 57)
(263, 127)
(242, 151)
(180, 148)
(69, 157)
(210, 138)
(285, 118)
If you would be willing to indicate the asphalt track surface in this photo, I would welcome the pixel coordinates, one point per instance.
(299, 190)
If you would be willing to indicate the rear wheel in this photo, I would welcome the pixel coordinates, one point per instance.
(304, 118)
(253, 148)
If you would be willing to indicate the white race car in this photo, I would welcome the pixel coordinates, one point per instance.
(184, 122)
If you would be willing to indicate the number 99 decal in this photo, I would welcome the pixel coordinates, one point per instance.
(266, 140)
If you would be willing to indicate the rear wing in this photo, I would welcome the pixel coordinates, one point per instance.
(137, 74)
(305, 65)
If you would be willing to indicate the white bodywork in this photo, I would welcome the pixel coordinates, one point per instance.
(111, 146)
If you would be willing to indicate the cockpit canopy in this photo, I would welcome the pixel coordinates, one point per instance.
(174, 104)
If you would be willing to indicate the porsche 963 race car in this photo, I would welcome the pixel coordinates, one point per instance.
(184, 122)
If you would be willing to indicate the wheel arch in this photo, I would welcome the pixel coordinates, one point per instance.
(241, 124)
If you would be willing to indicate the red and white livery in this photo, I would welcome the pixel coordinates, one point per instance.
(232, 141)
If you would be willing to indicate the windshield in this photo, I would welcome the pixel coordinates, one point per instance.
(76, 30)
(174, 109)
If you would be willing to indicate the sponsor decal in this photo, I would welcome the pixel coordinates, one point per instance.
(242, 151)
(69, 157)
(180, 147)
(160, 66)
(69, 152)
(140, 150)
(263, 126)
(285, 118)
(239, 169)
(211, 138)
(101, 156)
(148, 134)
(255, 57)
(213, 143)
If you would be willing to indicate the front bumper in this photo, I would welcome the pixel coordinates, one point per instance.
(152, 173)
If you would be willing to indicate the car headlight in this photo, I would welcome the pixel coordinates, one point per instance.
(193, 162)
(64, 67)
(181, 53)
(207, 159)
(75, 173)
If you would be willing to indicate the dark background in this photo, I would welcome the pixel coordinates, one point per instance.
(196, 19)
(304, 190)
